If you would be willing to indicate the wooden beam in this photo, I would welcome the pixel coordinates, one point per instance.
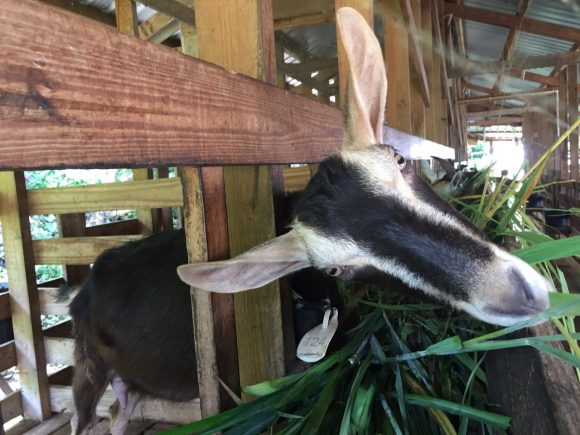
(75, 250)
(20, 262)
(497, 112)
(304, 20)
(109, 196)
(187, 113)
(397, 64)
(308, 66)
(523, 96)
(412, 17)
(515, 120)
(158, 28)
(11, 406)
(511, 21)
(178, 9)
(512, 38)
(427, 29)
(469, 67)
(572, 117)
(417, 102)
(77, 7)
(7, 355)
(239, 36)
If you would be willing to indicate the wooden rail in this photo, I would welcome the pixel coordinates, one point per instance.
(110, 196)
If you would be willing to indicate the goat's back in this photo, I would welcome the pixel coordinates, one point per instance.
(134, 313)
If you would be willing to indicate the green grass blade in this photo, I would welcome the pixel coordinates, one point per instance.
(390, 415)
(345, 425)
(551, 250)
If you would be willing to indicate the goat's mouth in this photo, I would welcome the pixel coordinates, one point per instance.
(501, 316)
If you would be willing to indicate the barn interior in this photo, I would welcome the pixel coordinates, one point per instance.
(160, 88)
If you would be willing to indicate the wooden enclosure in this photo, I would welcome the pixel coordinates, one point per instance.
(76, 92)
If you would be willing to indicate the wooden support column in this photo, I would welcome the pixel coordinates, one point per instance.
(126, 16)
(563, 122)
(417, 103)
(438, 79)
(238, 35)
(73, 225)
(397, 62)
(24, 299)
(572, 117)
(427, 38)
(365, 8)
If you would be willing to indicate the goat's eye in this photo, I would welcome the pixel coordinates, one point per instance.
(334, 270)
(400, 161)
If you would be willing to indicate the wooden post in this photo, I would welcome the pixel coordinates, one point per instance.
(427, 38)
(238, 35)
(417, 105)
(438, 102)
(205, 224)
(563, 122)
(126, 16)
(73, 225)
(397, 62)
(572, 117)
(24, 296)
(365, 8)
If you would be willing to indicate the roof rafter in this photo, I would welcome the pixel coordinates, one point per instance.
(511, 21)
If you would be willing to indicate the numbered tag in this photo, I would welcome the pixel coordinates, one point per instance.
(314, 344)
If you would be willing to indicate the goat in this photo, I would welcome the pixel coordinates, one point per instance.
(364, 216)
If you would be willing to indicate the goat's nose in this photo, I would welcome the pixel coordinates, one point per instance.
(530, 290)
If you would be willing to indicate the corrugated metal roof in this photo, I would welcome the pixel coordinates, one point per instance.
(511, 84)
(485, 39)
(562, 12)
(529, 44)
(505, 6)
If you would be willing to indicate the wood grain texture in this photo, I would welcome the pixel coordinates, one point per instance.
(5, 306)
(11, 406)
(426, 25)
(110, 196)
(73, 225)
(59, 350)
(7, 355)
(24, 295)
(249, 49)
(147, 409)
(417, 90)
(75, 250)
(68, 100)
(397, 62)
(573, 116)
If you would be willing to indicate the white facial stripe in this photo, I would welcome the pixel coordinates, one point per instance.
(385, 179)
(343, 251)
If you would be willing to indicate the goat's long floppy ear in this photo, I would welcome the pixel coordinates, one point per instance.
(255, 268)
(366, 93)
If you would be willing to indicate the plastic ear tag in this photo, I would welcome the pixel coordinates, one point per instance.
(314, 344)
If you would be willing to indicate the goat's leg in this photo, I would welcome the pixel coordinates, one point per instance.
(123, 407)
(89, 383)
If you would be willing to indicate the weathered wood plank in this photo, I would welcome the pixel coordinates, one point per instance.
(75, 250)
(5, 306)
(296, 178)
(20, 262)
(50, 426)
(426, 24)
(397, 64)
(59, 350)
(11, 406)
(148, 409)
(506, 20)
(249, 49)
(56, 111)
(7, 355)
(110, 196)
(418, 81)
(48, 302)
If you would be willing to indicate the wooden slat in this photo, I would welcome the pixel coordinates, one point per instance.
(239, 36)
(296, 178)
(506, 20)
(397, 65)
(158, 410)
(59, 350)
(417, 100)
(19, 255)
(119, 228)
(426, 24)
(75, 250)
(77, 7)
(158, 28)
(523, 96)
(468, 67)
(7, 355)
(110, 196)
(573, 116)
(5, 306)
(49, 304)
(50, 426)
(413, 16)
(58, 111)
(11, 406)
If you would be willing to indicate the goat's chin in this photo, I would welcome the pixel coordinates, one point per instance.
(496, 317)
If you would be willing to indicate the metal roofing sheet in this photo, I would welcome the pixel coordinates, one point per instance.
(485, 39)
(505, 6)
(529, 44)
(562, 12)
